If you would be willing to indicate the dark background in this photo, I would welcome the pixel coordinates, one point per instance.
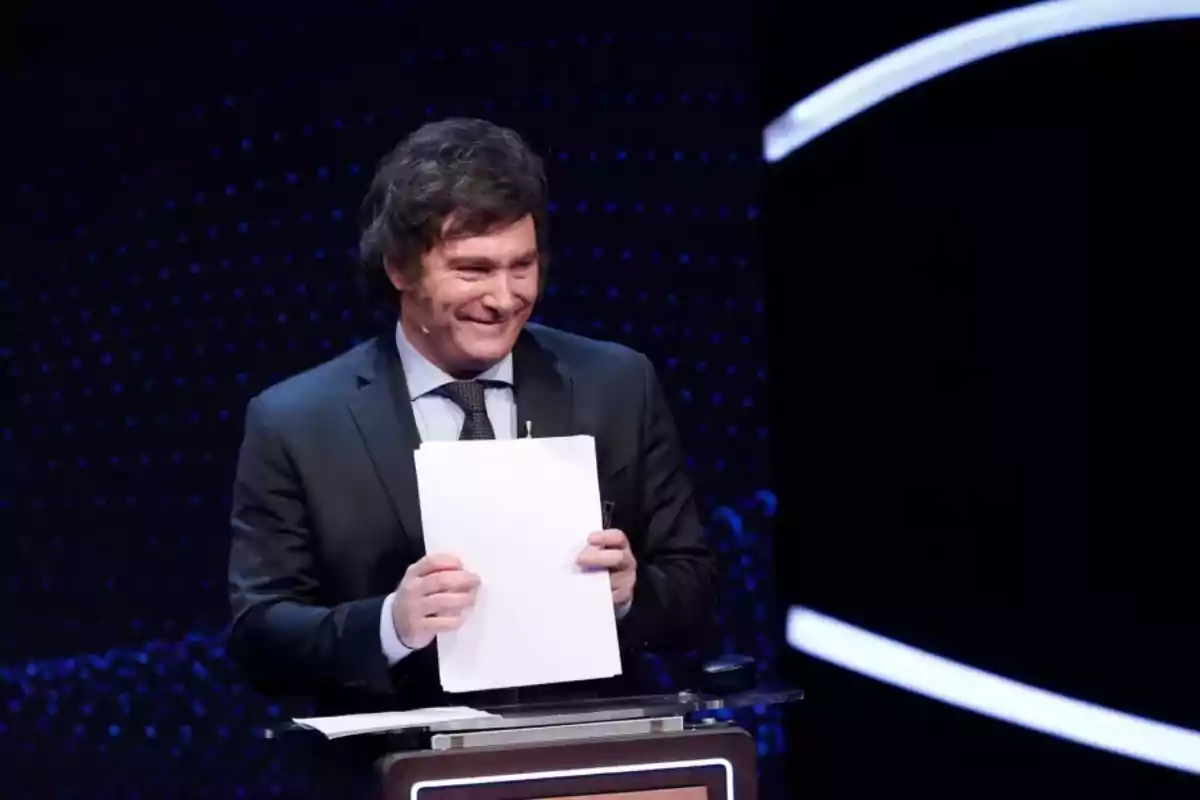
(984, 290)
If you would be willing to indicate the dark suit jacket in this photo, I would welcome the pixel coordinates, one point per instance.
(326, 518)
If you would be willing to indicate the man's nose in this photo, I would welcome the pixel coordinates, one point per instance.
(500, 296)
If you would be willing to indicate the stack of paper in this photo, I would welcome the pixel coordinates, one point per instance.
(518, 513)
(354, 724)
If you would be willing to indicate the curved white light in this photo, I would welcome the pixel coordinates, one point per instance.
(889, 661)
(955, 47)
(870, 654)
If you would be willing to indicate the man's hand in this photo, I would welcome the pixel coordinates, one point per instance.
(610, 550)
(432, 598)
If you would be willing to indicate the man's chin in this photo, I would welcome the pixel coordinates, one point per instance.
(489, 346)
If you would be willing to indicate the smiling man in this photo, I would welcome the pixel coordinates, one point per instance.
(334, 597)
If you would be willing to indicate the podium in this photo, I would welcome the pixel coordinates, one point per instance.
(652, 747)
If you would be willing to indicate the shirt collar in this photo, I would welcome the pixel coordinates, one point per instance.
(423, 376)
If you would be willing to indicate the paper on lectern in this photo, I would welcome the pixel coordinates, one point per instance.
(354, 724)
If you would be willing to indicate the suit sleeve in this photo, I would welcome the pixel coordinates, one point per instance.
(674, 601)
(282, 638)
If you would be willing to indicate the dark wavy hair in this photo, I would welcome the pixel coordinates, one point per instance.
(477, 173)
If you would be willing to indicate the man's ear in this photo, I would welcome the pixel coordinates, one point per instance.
(396, 276)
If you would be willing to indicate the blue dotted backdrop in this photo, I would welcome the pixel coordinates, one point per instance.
(184, 239)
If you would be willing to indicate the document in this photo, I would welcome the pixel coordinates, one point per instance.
(518, 513)
(354, 724)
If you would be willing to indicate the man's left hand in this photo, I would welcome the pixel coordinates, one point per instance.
(610, 550)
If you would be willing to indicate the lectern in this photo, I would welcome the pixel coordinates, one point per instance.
(654, 747)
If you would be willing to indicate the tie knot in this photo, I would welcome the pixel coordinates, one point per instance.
(467, 395)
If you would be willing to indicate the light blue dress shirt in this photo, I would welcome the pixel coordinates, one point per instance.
(439, 418)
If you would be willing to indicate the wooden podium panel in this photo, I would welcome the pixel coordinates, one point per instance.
(716, 763)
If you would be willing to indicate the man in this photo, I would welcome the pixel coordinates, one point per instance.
(334, 597)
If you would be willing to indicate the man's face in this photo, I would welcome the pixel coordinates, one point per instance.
(472, 297)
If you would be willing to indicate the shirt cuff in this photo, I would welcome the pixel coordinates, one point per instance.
(623, 609)
(393, 648)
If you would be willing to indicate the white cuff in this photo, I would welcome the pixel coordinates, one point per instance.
(393, 648)
(623, 609)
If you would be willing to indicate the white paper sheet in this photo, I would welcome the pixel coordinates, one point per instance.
(517, 513)
(353, 724)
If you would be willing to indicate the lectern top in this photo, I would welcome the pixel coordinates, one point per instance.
(692, 705)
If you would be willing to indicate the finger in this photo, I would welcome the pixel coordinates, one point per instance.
(597, 558)
(432, 563)
(448, 581)
(609, 538)
(607, 558)
(447, 603)
(441, 624)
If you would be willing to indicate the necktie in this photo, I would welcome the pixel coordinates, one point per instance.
(468, 395)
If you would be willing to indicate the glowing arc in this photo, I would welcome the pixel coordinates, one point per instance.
(951, 49)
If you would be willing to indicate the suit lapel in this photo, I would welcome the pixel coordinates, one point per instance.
(383, 413)
(541, 388)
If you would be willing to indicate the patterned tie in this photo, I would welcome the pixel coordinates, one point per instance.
(468, 395)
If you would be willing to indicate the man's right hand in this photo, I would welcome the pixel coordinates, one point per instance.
(432, 598)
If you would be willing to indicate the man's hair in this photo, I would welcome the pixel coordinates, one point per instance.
(471, 171)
